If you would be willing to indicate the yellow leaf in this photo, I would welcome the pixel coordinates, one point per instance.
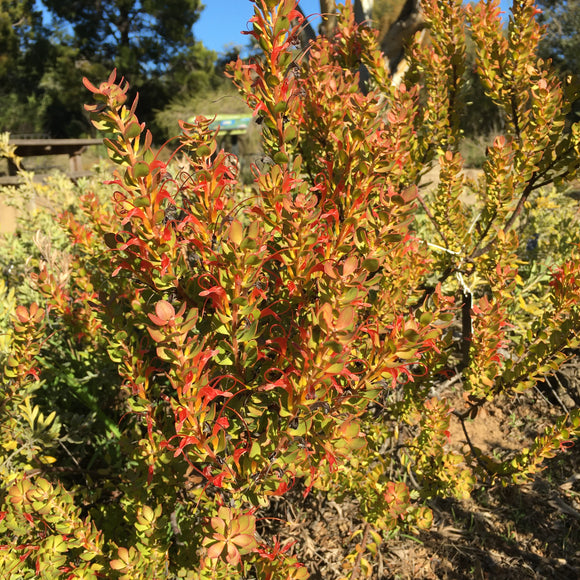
(10, 445)
(236, 232)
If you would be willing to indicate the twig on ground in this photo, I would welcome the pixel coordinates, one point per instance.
(356, 567)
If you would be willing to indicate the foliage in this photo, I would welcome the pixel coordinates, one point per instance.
(41, 68)
(548, 231)
(481, 117)
(135, 35)
(297, 332)
(75, 377)
(17, 20)
(22, 41)
(39, 75)
(225, 99)
(27, 435)
(560, 41)
(22, 114)
(42, 520)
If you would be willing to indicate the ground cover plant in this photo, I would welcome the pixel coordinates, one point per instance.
(231, 345)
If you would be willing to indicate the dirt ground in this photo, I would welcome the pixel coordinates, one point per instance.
(500, 533)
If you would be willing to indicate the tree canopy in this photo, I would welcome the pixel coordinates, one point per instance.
(134, 35)
(561, 42)
(150, 42)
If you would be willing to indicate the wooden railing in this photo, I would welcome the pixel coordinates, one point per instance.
(40, 147)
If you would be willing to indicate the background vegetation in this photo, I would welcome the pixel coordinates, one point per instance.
(45, 54)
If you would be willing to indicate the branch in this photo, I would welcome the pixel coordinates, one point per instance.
(432, 219)
(474, 451)
(356, 567)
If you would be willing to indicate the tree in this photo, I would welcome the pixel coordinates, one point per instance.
(22, 41)
(15, 25)
(150, 42)
(561, 42)
(139, 37)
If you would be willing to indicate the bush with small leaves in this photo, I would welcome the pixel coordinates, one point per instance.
(295, 333)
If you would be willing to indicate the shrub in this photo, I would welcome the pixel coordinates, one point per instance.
(295, 333)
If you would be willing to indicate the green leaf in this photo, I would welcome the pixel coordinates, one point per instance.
(411, 335)
(371, 264)
(132, 131)
(203, 151)
(335, 368)
(140, 170)
(256, 450)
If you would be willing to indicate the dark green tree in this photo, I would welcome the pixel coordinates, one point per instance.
(40, 74)
(150, 42)
(16, 18)
(139, 37)
(561, 42)
(23, 51)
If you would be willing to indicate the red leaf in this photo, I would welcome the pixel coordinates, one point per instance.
(329, 270)
(215, 550)
(90, 85)
(164, 310)
(210, 393)
(22, 314)
(238, 453)
(349, 266)
(345, 319)
(155, 334)
(216, 294)
(297, 15)
(223, 422)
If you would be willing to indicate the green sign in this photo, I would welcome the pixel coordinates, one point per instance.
(229, 124)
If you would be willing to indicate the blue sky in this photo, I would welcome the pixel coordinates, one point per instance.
(222, 20)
